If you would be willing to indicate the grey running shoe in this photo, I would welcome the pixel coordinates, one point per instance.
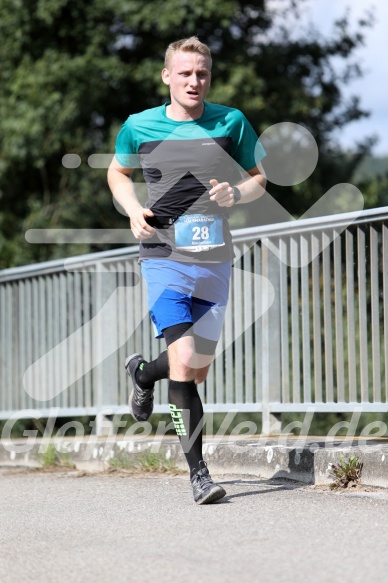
(141, 401)
(204, 489)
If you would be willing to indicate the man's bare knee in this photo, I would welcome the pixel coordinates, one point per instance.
(199, 378)
(201, 375)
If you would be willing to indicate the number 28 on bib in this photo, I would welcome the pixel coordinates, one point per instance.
(199, 232)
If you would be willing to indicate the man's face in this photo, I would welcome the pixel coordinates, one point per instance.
(188, 77)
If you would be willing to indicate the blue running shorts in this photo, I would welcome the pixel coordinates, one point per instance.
(187, 293)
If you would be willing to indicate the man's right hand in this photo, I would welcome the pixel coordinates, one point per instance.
(139, 227)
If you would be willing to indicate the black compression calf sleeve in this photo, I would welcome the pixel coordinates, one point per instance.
(173, 333)
(187, 414)
(149, 372)
(177, 331)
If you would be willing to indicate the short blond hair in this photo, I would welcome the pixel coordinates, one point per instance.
(187, 45)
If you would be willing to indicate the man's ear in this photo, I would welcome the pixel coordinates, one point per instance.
(166, 76)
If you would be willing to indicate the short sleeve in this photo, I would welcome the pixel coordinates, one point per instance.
(248, 151)
(125, 150)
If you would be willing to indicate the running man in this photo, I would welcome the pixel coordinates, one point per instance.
(198, 159)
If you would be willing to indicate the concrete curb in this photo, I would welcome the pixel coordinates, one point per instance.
(305, 460)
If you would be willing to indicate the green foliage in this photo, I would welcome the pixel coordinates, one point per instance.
(371, 166)
(29, 427)
(321, 423)
(372, 177)
(346, 472)
(73, 70)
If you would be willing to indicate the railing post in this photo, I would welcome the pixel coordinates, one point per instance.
(103, 375)
(271, 361)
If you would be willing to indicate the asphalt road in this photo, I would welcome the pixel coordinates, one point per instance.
(60, 527)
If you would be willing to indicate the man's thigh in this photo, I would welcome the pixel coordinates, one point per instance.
(169, 290)
(210, 300)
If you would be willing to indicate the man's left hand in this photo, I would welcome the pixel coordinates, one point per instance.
(221, 193)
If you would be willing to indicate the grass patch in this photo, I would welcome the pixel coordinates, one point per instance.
(145, 462)
(53, 459)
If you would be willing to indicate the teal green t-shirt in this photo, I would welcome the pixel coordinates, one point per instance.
(179, 159)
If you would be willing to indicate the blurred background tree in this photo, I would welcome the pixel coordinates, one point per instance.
(73, 70)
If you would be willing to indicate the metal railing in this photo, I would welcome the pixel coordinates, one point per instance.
(306, 327)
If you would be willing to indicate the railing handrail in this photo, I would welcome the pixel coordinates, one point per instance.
(312, 224)
(57, 265)
(238, 235)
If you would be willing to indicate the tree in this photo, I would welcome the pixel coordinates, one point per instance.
(73, 70)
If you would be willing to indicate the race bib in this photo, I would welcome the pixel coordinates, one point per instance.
(199, 232)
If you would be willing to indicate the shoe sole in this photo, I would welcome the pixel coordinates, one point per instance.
(127, 360)
(130, 405)
(130, 357)
(212, 496)
(131, 410)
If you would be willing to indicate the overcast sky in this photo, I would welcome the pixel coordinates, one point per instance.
(373, 87)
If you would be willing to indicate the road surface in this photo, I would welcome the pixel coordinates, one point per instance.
(57, 527)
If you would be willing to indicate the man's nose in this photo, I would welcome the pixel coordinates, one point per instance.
(194, 80)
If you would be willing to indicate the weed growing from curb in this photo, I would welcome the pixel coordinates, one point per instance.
(346, 473)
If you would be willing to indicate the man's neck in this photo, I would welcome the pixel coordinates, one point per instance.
(177, 113)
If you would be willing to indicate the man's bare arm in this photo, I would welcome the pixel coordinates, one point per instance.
(251, 188)
(121, 185)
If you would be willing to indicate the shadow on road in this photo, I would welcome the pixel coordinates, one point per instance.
(276, 484)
